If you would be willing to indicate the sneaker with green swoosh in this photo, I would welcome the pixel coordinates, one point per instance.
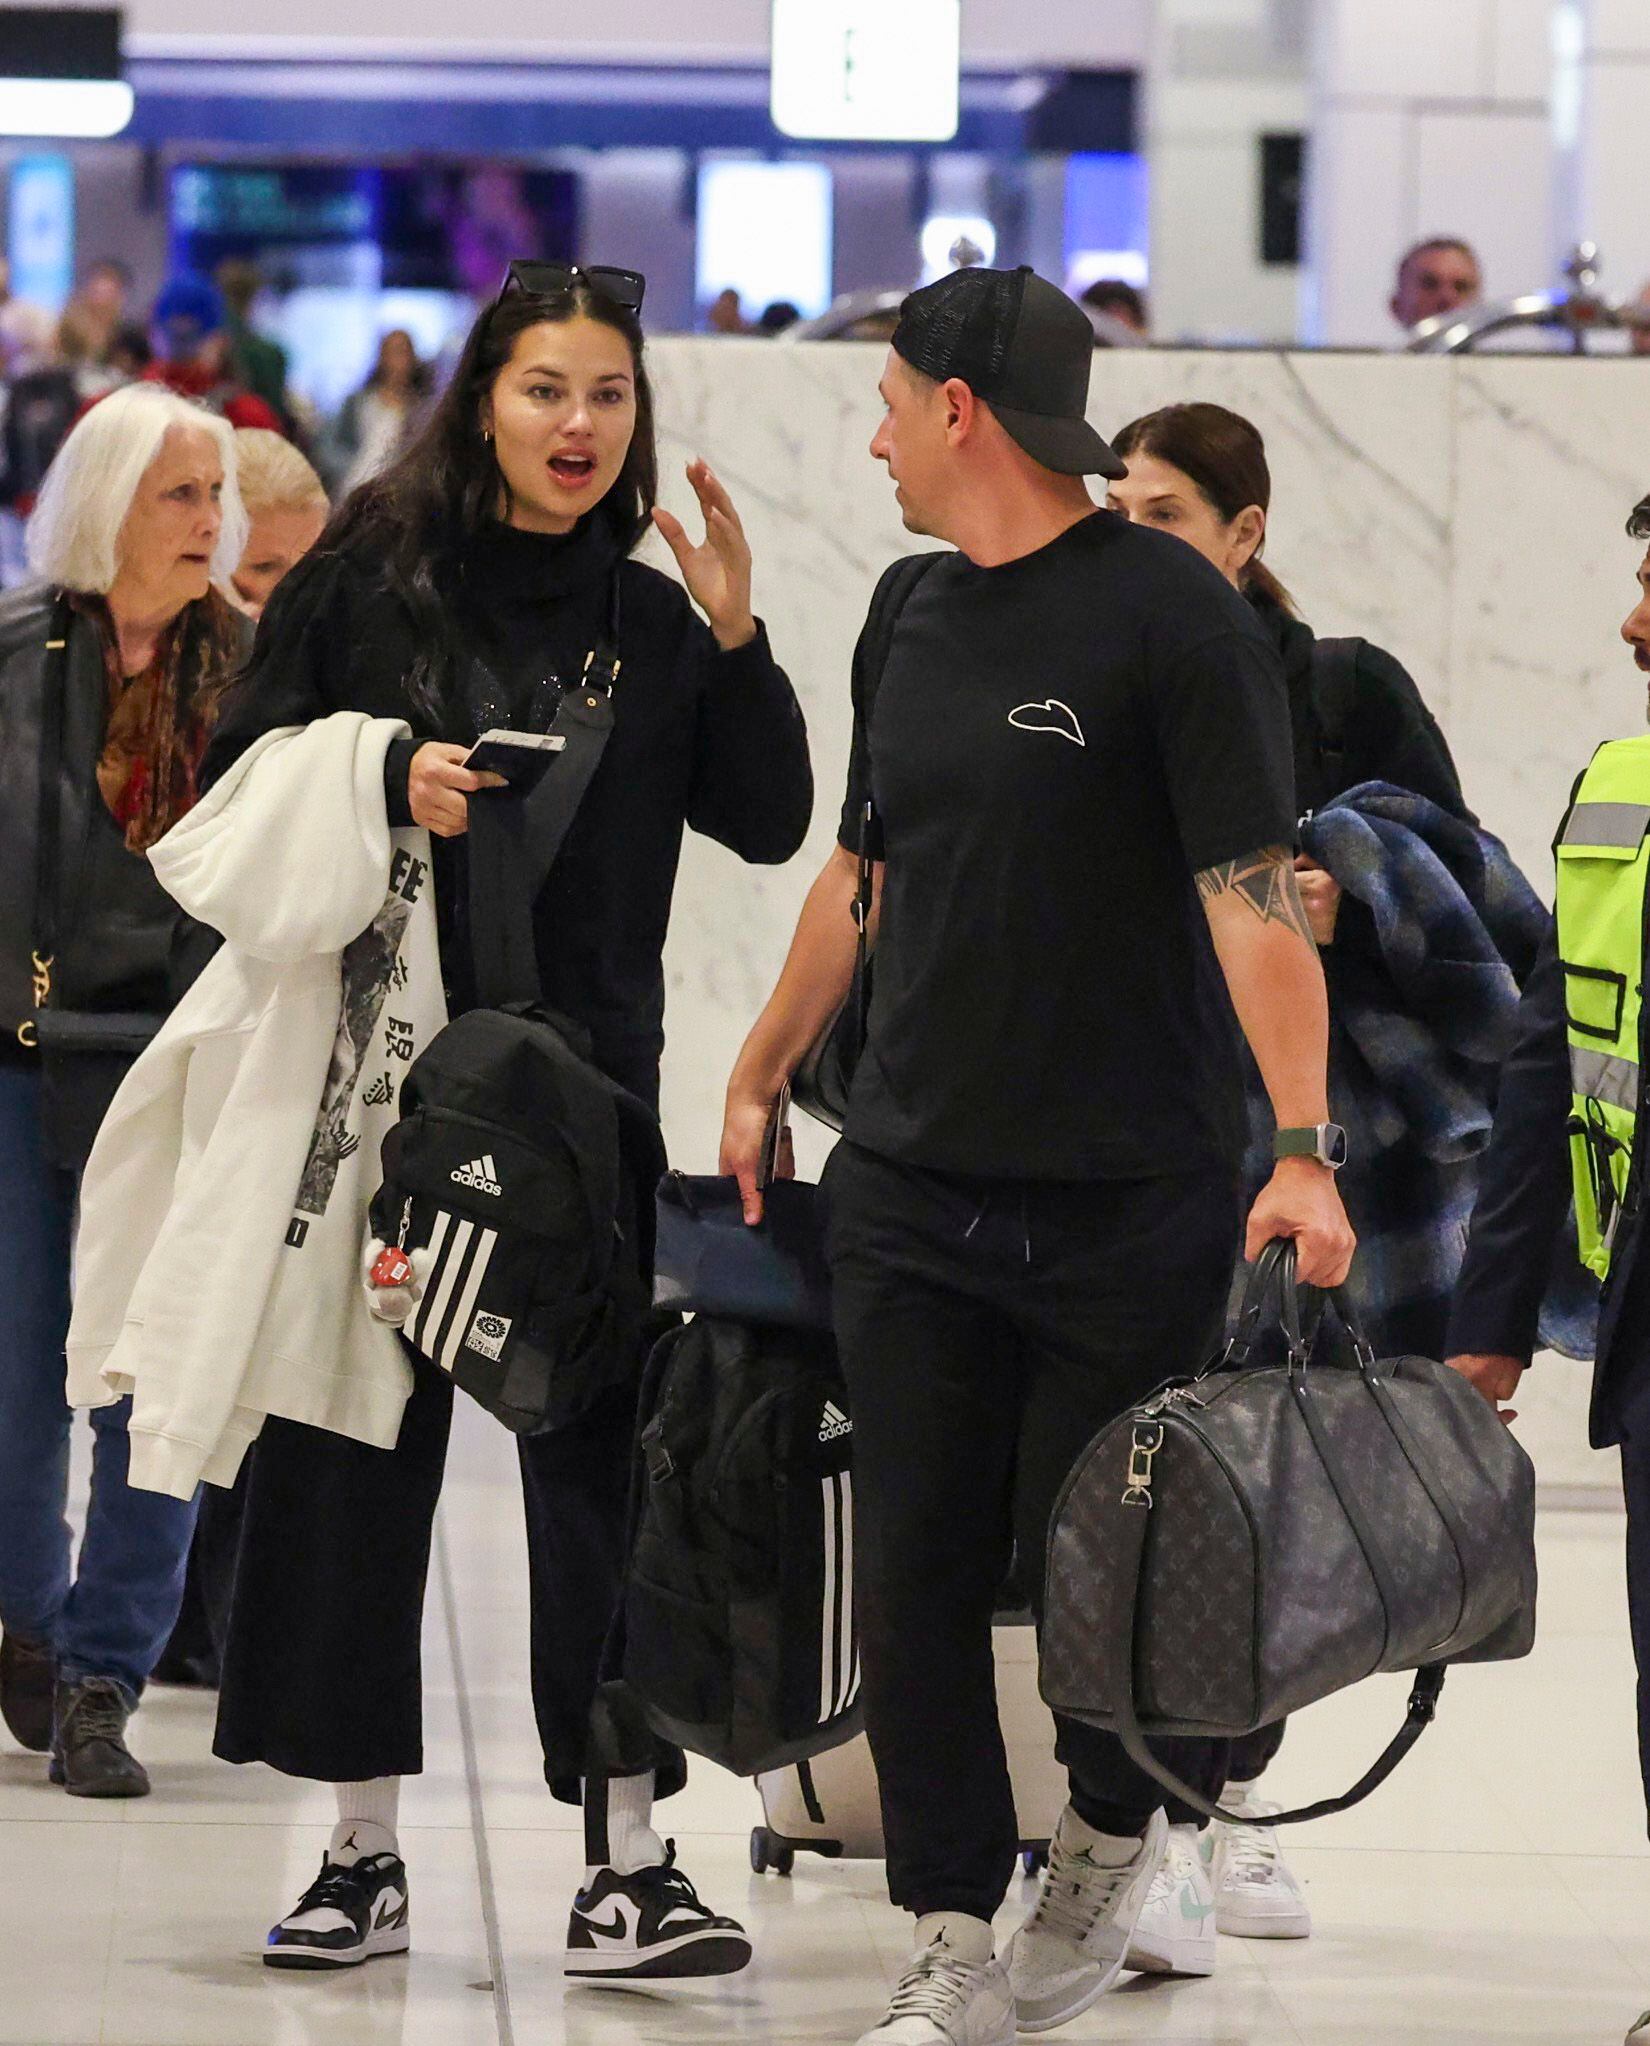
(1176, 1932)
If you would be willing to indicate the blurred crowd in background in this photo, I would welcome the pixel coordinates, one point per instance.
(204, 339)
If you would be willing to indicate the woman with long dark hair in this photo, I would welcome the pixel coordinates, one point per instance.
(462, 590)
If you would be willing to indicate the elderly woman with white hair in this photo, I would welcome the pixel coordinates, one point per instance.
(111, 666)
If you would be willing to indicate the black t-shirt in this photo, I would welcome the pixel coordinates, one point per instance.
(1057, 746)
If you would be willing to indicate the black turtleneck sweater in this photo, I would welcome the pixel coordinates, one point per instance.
(702, 739)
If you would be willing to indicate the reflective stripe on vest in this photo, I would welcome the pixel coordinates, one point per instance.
(1603, 876)
(1607, 824)
(1605, 1079)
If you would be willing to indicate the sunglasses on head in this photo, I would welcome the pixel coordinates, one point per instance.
(625, 288)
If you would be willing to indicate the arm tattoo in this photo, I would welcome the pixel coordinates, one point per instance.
(1265, 880)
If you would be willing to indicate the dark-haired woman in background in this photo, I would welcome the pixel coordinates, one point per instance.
(375, 422)
(460, 590)
(1200, 472)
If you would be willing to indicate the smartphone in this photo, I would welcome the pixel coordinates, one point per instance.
(520, 757)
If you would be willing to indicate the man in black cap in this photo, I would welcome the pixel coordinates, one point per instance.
(1079, 734)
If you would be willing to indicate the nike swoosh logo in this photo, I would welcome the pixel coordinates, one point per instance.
(1050, 716)
(619, 1925)
(392, 1908)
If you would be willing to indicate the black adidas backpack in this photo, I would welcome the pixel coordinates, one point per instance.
(522, 1168)
(739, 1609)
(528, 1175)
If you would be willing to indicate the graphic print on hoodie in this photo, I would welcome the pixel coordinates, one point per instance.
(371, 966)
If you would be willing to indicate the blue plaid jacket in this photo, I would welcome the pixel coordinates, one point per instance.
(1438, 930)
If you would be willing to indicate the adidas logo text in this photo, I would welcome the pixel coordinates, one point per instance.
(834, 1422)
(479, 1175)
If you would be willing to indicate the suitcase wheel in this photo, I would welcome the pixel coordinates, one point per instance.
(1034, 1860)
(767, 1852)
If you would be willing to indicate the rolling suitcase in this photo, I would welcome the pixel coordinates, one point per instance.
(829, 1806)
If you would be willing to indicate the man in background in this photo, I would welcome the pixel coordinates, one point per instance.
(192, 355)
(256, 362)
(1110, 304)
(1569, 1124)
(1439, 275)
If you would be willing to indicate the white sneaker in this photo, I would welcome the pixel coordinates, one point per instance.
(1070, 1950)
(1176, 1932)
(943, 2000)
(1256, 1893)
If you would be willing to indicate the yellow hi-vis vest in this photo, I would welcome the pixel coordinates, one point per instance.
(1603, 881)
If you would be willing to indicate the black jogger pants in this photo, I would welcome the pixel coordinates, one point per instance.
(989, 1330)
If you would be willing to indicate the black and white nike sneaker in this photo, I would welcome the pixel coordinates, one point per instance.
(346, 1916)
(650, 1926)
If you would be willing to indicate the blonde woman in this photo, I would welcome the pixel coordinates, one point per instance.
(286, 509)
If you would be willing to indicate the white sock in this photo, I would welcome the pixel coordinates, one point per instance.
(1110, 1850)
(367, 1814)
(970, 1939)
(632, 1843)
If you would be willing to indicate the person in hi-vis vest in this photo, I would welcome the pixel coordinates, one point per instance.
(1568, 1123)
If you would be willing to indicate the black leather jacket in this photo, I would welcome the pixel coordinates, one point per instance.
(115, 922)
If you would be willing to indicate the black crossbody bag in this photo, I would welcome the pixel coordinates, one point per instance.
(524, 1172)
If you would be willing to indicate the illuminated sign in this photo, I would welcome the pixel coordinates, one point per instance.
(866, 70)
(765, 232)
(60, 72)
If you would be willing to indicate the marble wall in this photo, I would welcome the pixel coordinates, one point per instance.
(1467, 514)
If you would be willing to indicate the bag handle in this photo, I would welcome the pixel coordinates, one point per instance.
(1119, 1663)
(767, 1170)
(1273, 1281)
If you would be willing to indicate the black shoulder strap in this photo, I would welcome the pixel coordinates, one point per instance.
(1334, 685)
(514, 840)
(890, 600)
(892, 595)
(47, 847)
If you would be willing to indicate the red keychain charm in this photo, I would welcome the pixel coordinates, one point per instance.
(391, 1267)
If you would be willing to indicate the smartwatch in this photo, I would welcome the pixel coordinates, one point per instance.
(1324, 1141)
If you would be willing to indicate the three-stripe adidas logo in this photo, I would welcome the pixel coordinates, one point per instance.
(838, 1641)
(479, 1175)
(460, 1252)
(834, 1422)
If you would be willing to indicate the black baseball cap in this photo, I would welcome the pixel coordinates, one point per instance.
(1019, 343)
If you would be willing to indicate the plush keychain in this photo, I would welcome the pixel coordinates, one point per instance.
(394, 1280)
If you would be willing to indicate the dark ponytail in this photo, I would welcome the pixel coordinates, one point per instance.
(1224, 455)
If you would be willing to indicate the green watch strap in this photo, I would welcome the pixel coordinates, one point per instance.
(1297, 1143)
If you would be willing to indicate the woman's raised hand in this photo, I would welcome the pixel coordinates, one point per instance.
(718, 572)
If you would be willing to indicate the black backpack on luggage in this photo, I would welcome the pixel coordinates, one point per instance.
(739, 1625)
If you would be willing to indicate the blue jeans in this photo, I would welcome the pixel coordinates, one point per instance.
(111, 1616)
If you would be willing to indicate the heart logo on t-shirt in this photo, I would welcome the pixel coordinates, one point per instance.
(1052, 716)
